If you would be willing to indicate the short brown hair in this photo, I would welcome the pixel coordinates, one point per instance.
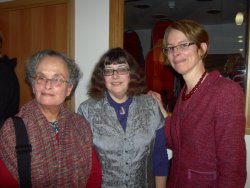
(191, 29)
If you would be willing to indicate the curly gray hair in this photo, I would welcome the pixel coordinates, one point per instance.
(31, 66)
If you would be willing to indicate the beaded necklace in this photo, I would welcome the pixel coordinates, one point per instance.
(187, 96)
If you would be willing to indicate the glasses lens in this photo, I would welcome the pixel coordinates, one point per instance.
(57, 82)
(40, 79)
(108, 72)
(122, 70)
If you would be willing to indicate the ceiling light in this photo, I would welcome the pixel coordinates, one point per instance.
(171, 4)
(239, 18)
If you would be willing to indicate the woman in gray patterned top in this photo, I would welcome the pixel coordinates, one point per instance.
(127, 125)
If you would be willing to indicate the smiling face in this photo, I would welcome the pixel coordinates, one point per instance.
(117, 84)
(47, 93)
(184, 59)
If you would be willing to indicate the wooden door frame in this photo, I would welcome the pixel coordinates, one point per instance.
(116, 40)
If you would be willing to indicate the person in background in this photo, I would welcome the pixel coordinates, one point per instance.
(127, 125)
(206, 129)
(62, 150)
(10, 93)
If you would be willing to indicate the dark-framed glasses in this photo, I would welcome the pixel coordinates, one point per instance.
(179, 47)
(55, 82)
(119, 71)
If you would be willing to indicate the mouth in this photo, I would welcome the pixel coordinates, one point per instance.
(116, 83)
(47, 94)
(179, 61)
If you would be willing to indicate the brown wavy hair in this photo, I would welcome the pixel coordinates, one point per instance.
(137, 84)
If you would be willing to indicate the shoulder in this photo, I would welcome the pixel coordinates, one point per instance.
(226, 95)
(145, 100)
(90, 107)
(89, 103)
(227, 87)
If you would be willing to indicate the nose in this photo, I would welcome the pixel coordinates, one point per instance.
(176, 50)
(48, 83)
(115, 74)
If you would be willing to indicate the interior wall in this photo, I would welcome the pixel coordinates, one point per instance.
(91, 39)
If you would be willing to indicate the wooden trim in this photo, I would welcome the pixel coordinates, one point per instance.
(116, 23)
(71, 44)
(21, 4)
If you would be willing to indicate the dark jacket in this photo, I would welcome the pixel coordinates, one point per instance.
(10, 89)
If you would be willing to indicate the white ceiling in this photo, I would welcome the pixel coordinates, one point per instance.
(136, 18)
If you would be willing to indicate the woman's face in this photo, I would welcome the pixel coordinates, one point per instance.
(183, 55)
(49, 87)
(117, 83)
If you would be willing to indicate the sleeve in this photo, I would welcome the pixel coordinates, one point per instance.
(95, 178)
(160, 156)
(81, 109)
(7, 147)
(229, 135)
(6, 179)
(167, 130)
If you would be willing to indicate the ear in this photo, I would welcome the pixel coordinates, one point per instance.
(203, 49)
(69, 89)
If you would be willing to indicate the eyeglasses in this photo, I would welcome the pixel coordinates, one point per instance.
(55, 82)
(119, 71)
(180, 47)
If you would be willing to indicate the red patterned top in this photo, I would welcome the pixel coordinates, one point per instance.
(66, 163)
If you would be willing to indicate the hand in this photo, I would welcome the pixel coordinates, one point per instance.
(157, 97)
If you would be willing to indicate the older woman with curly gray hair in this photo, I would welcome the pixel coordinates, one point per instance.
(62, 152)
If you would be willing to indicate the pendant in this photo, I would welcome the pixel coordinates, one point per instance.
(122, 111)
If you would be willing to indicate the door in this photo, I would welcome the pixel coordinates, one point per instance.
(29, 27)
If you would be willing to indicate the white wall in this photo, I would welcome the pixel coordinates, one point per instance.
(92, 40)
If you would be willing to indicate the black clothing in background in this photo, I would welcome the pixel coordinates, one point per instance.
(10, 89)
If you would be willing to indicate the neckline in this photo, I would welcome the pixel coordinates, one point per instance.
(187, 96)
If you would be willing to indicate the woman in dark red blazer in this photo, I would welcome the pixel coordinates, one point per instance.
(207, 127)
